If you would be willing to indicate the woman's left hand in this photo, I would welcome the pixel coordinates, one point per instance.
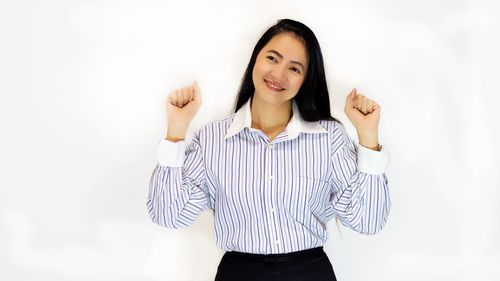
(364, 113)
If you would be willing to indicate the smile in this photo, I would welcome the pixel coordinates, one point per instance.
(273, 87)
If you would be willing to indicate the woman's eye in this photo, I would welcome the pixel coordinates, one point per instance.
(294, 69)
(271, 58)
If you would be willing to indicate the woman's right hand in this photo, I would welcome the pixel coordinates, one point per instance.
(182, 105)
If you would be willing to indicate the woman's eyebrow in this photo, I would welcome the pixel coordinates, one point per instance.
(281, 56)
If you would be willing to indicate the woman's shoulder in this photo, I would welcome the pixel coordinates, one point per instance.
(220, 125)
(332, 126)
(338, 133)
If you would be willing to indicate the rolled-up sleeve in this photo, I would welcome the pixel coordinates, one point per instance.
(177, 188)
(359, 186)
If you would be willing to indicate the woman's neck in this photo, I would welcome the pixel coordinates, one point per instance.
(269, 118)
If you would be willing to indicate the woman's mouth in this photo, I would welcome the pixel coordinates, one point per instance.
(273, 87)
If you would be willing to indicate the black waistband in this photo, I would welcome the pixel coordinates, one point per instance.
(287, 257)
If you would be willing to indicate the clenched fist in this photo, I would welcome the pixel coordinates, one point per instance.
(183, 103)
(364, 114)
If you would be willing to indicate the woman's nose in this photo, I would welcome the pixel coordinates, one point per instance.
(279, 74)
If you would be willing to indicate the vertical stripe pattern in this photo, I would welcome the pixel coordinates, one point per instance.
(270, 197)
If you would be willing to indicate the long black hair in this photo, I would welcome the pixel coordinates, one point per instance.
(312, 99)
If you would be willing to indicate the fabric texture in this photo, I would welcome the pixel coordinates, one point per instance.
(307, 265)
(270, 197)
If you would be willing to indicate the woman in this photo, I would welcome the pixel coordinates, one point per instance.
(278, 169)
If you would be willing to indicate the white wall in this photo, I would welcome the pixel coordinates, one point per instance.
(82, 87)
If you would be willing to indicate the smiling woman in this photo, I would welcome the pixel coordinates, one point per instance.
(276, 170)
(278, 74)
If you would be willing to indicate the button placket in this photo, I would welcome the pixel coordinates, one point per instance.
(270, 194)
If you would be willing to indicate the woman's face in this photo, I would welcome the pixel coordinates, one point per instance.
(280, 69)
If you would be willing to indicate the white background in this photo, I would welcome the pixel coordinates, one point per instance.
(83, 85)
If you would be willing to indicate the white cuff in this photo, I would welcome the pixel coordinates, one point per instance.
(171, 153)
(371, 161)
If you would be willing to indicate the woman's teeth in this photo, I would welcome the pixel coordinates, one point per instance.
(273, 87)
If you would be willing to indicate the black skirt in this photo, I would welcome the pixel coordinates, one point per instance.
(308, 265)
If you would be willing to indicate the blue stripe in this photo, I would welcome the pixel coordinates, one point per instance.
(314, 178)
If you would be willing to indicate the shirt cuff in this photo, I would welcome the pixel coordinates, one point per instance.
(371, 161)
(171, 153)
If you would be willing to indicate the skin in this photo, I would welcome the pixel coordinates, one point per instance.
(364, 114)
(283, 62)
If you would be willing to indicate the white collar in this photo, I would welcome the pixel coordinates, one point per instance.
(296, 125)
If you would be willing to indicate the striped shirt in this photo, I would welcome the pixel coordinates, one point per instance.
(270, 197)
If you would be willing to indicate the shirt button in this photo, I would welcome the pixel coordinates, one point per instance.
(272, 210)
(270, 146)
(270, 177)
(276, 242)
